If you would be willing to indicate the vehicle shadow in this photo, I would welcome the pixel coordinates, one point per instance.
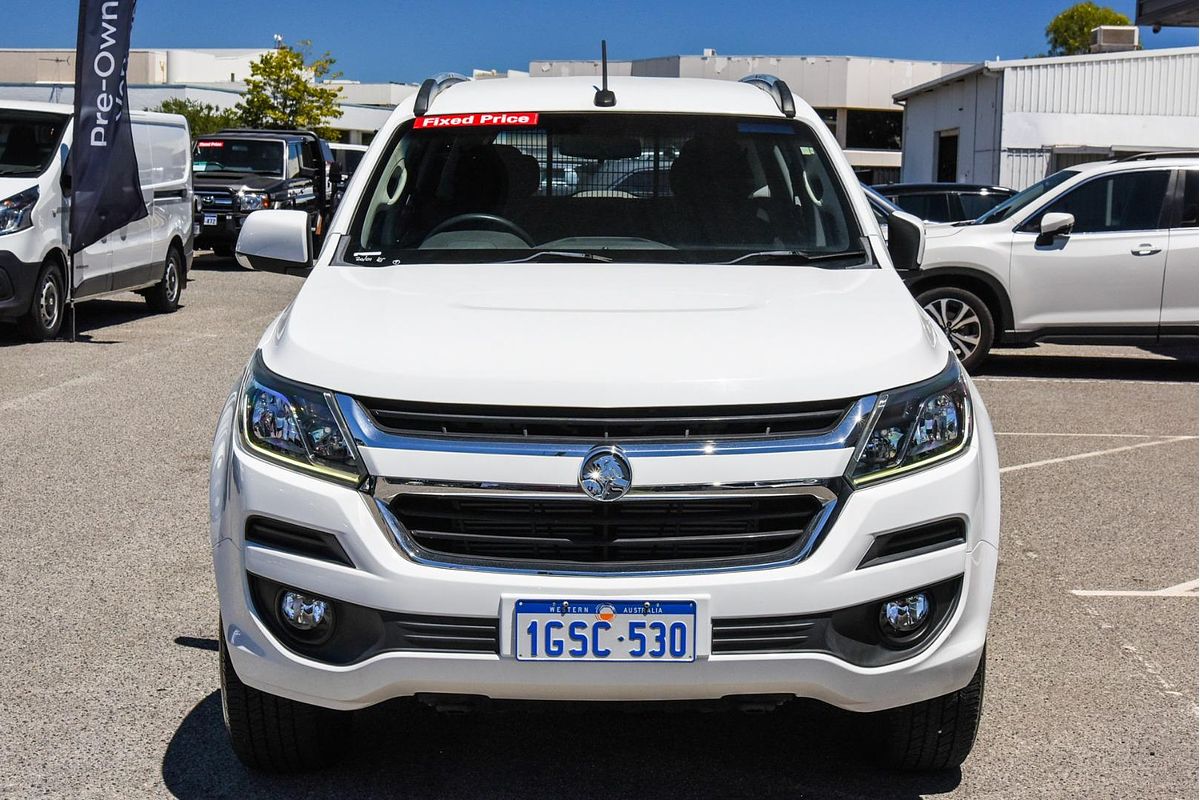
(401, 748)
(210, 262)
(1180, 366)
(94, 315)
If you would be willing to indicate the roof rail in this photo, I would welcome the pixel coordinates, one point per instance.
(777, 89)
(432, 87)
(1160, 154)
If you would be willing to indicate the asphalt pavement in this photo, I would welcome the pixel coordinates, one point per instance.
(108, 657)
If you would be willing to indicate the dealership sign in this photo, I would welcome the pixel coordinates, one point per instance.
(105, 192)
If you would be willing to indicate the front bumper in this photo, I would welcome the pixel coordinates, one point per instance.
(223, 233)
(17, 279)
(385, 579)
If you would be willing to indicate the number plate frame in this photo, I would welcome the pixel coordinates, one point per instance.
(614, 639)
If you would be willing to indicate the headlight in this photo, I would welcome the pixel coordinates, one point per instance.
(16, 212)
(253, 201)
(297, 426)
(914, 427)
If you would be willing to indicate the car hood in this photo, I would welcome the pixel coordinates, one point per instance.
(604, 335)
(13, 185)
(253, 183)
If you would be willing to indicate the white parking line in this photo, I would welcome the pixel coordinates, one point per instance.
(1185, 589)
(1094, 454)
(998, 379)
(1097, 435)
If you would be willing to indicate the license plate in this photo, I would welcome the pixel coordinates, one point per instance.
(210, 219)
(606, 630)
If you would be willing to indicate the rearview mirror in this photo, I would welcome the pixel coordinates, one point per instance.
(905, 241)
(276, 240)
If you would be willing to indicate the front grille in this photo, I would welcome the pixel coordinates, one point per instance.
(215, 199)
(762, 634)
(605, 424)
(625, 534)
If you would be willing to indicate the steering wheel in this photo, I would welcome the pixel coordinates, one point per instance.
(475, 216)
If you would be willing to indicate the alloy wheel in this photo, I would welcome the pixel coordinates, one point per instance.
(960, 323)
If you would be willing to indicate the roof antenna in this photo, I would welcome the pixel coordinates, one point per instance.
(604, 97)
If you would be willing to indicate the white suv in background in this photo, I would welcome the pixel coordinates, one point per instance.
(1103, 252)
(513, 443)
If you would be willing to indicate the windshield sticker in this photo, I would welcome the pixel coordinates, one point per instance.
(210, 144)
(508, 118)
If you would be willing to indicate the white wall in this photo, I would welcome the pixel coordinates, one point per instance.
(971, 106)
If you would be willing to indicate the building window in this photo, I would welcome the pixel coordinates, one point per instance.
(829, 117)
(874, 130)
(947, 156)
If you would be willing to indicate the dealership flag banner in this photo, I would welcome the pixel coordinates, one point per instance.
(105, 192)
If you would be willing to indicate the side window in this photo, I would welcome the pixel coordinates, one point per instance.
(1188, 211)
(1126, 201)
(932, 207)
(293, 159)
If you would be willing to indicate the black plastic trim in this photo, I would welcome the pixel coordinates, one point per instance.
(359, 632)
(321, 545)
(852, 634)
(927, 538)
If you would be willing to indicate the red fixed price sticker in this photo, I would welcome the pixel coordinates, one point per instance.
(506, 118)
(210, 144)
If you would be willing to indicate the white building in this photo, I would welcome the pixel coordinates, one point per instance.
(1012, 123)
(852, 94)
(213, 76)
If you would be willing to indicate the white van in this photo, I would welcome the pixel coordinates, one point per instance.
(150, 255)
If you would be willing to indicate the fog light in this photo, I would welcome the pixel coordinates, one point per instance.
(904, 615)
(304, 613)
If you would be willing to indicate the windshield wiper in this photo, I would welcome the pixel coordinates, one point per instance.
(27, 172)
(797, 256)
(559, 254)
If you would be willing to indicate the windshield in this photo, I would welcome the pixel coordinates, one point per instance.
(239, 156)
(1015, 203)
(612, 187)
(28, 141)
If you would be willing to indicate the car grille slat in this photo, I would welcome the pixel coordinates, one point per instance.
(435, 633)
(571, 531)
(748, 635)
(604, 424)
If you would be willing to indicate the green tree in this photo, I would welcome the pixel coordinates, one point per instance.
(203, 118)
(1070, 33)
(284, 91)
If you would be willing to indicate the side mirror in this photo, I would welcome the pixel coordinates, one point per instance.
(905, 241)
(276, 240)
(1053, 225)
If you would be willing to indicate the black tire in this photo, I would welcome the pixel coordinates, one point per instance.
(937, 734)
(163, 297)
(971, 334)
(44, 318)
(275, 734)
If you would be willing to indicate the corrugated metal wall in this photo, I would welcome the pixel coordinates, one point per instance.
(1021, 167)
(1153, 85)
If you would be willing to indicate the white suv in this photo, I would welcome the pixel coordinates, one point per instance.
(1102, 252)
(696, 444)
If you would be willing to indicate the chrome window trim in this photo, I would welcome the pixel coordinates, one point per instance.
(366, 434)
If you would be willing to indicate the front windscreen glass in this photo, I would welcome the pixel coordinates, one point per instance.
(605, 187)
(28, 141)
(239, 156)
(1023, 198)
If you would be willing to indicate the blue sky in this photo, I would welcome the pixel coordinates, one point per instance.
(381, 40)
